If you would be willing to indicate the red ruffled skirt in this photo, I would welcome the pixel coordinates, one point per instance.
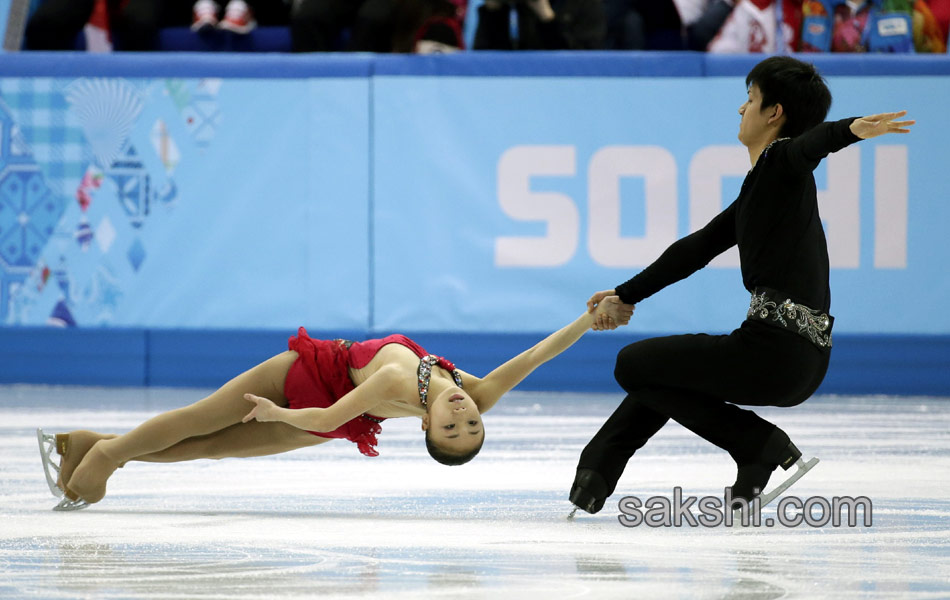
(318, 378)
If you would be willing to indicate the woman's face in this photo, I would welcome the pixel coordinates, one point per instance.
(453, 421)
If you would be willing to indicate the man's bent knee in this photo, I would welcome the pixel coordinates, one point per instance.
(629, 369)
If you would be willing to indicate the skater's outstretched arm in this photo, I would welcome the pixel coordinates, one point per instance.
(804, 152)
(879, 124)
(389, 382)
(494, 385)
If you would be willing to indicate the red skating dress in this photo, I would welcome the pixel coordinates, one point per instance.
(320, 376)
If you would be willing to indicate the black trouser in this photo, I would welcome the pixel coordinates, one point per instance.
(697, 380)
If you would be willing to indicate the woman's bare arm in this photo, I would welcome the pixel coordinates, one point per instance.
(389, 382)
(494, 385)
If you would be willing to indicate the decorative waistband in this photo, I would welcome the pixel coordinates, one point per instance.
(776, 309)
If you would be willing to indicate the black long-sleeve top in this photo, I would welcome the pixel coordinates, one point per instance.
(774, 221)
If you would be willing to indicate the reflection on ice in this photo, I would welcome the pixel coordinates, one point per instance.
(327, 522)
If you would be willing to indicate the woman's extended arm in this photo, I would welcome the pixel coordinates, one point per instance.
(386, 383)
(494, 385)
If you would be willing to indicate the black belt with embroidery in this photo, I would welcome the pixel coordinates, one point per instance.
(774, 308)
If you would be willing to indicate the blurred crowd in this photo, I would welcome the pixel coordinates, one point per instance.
(428, 26)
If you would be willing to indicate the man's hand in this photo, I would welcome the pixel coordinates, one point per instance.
(611, 313)
(875, 125)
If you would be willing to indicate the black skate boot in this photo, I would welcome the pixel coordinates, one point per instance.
(752, 477)
(589, 491)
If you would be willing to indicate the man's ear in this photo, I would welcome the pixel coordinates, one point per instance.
(425, 422)
(778, 111)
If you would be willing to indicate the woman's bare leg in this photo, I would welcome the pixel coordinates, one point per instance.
(243, 440)
(223, 408)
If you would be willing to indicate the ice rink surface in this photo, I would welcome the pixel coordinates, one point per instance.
(327, 522)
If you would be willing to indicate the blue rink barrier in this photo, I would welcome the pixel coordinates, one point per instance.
(909, 365)
(256, 193)
(464, 64)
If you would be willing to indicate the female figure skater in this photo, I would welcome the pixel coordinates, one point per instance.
(316, 391)
(779, 355)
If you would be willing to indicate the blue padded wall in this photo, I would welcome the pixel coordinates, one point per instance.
(357, 195)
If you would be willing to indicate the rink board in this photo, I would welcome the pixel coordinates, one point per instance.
(474, 200)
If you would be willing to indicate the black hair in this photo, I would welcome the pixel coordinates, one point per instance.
(797, 86)
(447, 458)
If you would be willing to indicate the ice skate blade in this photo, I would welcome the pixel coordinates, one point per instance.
(764, 499)
(47, 444)
(66, 505)
(803, 467)
(570, 517)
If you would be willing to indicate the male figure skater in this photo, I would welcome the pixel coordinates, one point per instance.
(779, 355)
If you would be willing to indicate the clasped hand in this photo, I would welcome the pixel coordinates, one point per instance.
(609, 312)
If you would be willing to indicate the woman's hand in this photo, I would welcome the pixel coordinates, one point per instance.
(264, 410)
(597, 298)
(611, 313)
(875, 125)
